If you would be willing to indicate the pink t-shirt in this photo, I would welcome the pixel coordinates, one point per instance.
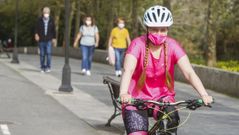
(155, 86)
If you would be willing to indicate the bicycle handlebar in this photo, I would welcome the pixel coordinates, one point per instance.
(191, 104)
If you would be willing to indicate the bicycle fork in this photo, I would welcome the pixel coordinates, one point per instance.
(165, 129)
(159, 128)
(165, 122)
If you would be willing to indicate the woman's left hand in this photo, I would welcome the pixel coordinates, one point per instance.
(96, 44)
(207, 99)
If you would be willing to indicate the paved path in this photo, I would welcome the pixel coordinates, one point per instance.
(31, 104)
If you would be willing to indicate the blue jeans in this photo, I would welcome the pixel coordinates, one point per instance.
(87, 56)
(119, 56)
(45, 51)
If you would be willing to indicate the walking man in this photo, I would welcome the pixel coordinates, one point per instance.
(45, 35)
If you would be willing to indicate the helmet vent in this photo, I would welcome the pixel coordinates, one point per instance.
(149, 17)
(167, 18)
(155, 19)
(162, 17)
(158, 12)
(145, 19)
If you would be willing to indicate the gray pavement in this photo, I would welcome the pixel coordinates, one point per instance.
(31, 104)
(28, 111)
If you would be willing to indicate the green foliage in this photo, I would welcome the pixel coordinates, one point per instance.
(197, 59)
(229, 65)
(28, 14)
(190, 19)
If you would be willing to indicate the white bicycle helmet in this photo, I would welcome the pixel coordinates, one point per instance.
(158, 16)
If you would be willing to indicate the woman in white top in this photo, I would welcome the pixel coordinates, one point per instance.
(89, 39)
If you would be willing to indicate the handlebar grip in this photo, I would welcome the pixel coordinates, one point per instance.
(200, 102)
(209, 105)
(132, 100)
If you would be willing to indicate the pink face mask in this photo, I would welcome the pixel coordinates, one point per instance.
(157, 39)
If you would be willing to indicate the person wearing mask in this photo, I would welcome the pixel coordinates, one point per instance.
(9, 44)
(149, 73)
(119, 39)
(89, 39)
(45, 35)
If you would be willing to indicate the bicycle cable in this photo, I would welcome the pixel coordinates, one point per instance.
(167, 116)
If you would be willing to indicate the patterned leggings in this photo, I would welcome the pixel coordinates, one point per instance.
(136, 121)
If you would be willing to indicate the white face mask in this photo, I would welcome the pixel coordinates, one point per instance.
(121, 25)
(46, 15)
(88, 23)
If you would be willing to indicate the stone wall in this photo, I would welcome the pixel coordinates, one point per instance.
(212, 78)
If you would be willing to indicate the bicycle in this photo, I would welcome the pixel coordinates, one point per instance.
(160, 126)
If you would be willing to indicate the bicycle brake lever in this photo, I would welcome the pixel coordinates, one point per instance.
(209, 105)
(194, 104)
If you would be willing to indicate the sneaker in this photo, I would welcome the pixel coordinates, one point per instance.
(83, 71)
(48, 70)
(42, 71)
(88, 73)
(116, 73)
(120, 73)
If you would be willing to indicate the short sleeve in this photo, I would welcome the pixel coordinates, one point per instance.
(112, 32)
(178, 52)
(81, 29)
(96, 29)
(126, 32)
(134, 49)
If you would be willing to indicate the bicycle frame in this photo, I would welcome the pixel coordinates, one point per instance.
(158, 129)
(160, 126)
(162, 129)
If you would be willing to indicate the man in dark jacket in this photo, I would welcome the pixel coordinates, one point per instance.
(45, 35)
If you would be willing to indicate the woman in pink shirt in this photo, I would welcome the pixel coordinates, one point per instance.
(149, 71)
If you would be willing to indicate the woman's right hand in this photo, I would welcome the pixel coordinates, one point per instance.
(37, 38)
(125, 98)
(75, 45)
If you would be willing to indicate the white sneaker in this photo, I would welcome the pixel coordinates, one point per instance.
(120, 73)
(42, 71)
(83, 71)
(48, 70)
(116, 73)
(88, 73)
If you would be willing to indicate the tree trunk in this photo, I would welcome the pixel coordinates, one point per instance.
(167, 3)
(57, 19)
(77, 20)
(211, 33)
(111, 19)
(73, 6)
(96, 5)
(135, 24)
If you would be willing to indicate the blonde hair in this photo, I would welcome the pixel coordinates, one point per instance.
(168, 78)
(142, 78)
